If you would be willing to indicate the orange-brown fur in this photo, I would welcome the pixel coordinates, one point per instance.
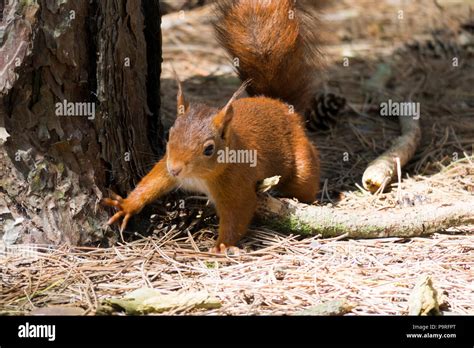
(276, 46)
(263, 124)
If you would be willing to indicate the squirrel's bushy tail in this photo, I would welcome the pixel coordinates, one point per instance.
(274, 43)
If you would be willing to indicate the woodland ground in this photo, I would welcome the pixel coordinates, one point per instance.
(403, 59)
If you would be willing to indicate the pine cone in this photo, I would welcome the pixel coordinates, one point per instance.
(324, 110)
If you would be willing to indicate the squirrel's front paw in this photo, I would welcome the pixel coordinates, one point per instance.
(228, 250)
(126, 209)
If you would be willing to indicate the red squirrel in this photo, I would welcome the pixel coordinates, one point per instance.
(272, 41)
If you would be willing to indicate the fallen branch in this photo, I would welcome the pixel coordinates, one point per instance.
(383, 169)
(289, 216)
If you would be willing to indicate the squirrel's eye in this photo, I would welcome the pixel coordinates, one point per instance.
(208, 150)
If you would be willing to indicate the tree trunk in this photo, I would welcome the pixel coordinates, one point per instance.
(79, 89)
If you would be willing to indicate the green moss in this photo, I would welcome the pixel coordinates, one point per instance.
(211, 264)
(330, 229)
(60, 167)
(326, 228)
(24, 4)
(37, 177)
(289, 225)
(58, 195)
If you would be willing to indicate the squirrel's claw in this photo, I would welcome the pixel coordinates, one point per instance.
(111, 202)
(116, 197)
(125, 222)
(115, 201)
(116, 217)
(227, 250)
(124, 210)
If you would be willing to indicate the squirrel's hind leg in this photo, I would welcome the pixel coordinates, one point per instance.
(304, 185)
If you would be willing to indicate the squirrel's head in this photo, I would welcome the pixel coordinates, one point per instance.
(197, 136)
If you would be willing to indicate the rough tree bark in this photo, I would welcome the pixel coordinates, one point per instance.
(55, 169)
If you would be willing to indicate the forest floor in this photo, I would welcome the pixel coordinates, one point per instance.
(424, 54)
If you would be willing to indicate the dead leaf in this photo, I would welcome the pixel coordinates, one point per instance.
(335, 307)
(57, 310)
(146, 300)
(424, 298)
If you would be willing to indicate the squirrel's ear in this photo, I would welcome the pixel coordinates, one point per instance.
(181, 104)
(222, 120)
(223, 117)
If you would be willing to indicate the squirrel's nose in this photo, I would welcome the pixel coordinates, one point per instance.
(175, 171)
